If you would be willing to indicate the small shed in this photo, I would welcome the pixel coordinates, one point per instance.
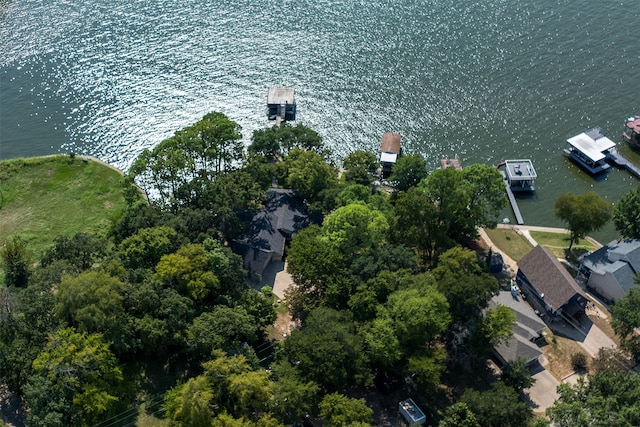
(390, 150)
(281, 104)
(411, 412)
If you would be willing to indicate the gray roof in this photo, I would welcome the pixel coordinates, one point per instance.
(549, 277)
(518, 347)
(528, 326)
(284, 215)
(280, 95)
(526, 318)
(621, 259)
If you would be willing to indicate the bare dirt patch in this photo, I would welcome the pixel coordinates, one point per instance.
(282, 327)
(558, 351)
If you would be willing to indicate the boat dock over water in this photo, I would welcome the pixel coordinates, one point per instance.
(589, 150)
(594, 151)
(519, 176)
(632, 131)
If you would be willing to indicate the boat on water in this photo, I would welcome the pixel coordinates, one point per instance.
(632, 132)
(590, 150)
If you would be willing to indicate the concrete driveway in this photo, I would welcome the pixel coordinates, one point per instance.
(543, 393)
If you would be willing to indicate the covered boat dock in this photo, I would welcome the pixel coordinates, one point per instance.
(589, 149)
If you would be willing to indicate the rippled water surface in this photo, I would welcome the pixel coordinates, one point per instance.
(483, 80)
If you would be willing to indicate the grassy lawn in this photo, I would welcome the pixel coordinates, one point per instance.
(558, 243)
(43, 197)
(509, 242)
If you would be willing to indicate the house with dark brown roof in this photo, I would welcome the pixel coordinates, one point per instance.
(548, 285)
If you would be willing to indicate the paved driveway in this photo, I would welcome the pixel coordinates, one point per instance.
(543, 393)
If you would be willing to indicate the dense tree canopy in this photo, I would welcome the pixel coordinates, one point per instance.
(603, 399)
(408, 171)
(626, 215)
(161, 306)
(583, 214)
(360, 167)
(73, 380)
(328, 351)
(626, 320)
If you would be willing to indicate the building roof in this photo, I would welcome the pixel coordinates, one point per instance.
(526, 318)
(280, 95)
(520, 170)
(550, 279)
(528, 326)
(592, 144)
(388, 157)
(518, 347)
(284, 215)
(390, 143)
(620, 259)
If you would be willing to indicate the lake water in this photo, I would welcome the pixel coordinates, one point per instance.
(482, 80)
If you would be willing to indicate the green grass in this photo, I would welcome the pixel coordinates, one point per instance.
(558, 244)
(509, 242)
(43, 197)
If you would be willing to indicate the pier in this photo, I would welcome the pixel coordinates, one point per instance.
(512, 200)
(518, 176)
(622, 162)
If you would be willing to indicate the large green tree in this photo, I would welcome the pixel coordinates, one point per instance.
(499, 406)
(360, 167)
(466, 285)
(92, 302)
(16, 262)
(309, 175)
(76, 381)
(146, 247)
(193, 155)
(583, 214)
(604, 399)
(223, 327)
(278, 141)
(408, 171)
(626, 320)
(354, 228)
(459, 415)
(327, 350)
(318, 268)
(338, 410)
(626, 214)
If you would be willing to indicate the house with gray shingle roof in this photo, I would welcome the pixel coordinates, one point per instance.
(548, 285)
(283, 216)
(526, 329)
(611, 270)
